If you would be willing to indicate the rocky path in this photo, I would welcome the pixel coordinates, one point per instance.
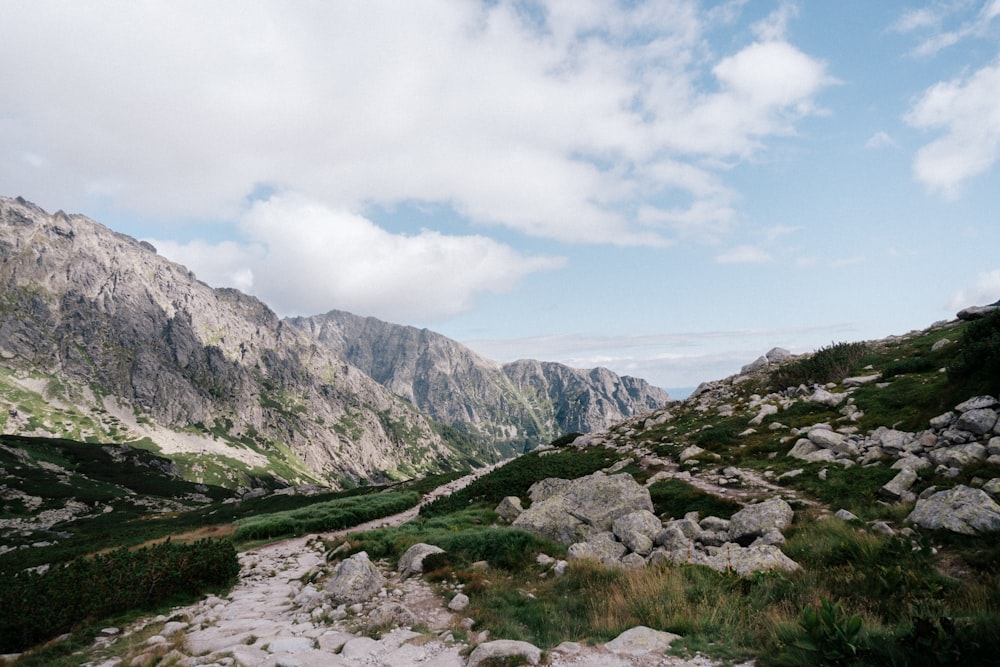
(278, 616)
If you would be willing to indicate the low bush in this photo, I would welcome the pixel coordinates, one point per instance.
(331, 515)
(675, 498)
(828, 364)
(36, 607)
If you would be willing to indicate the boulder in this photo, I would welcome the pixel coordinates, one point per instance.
(356, 579)
(778, 354)
(959, 456)
(978, 422)
(459, 602)
(897, 487)
(823, 397)
(509, 509)
(838, 443)
(746, 561)
(546, 488)
(755, 365)
(961, 510)
(690, 452)
(412, 562)
(977, 403)
(585, 506)
(974, 312)
(600, 547)
(637, 530)
(642, 641)
(505, 651)
(757, 520)
(802, 449)
(392, 615)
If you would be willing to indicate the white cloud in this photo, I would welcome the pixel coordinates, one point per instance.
(746, 254)
(304, 258)
(946, 24)
(967, 111)
(986, 291)
(879, 140)
(544, 123)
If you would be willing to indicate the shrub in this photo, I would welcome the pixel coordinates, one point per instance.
(331, 515)
(675, 498)
(829, 635)
(980, 357)
(36, 607)
(828, 364)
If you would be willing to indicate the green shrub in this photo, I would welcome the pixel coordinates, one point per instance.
(980, 357)
(331, 515)
(829, 636)
(675, 498)
(828, 364)
(36, 607)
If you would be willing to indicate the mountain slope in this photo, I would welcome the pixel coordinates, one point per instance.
(523, 404)
(95, 322)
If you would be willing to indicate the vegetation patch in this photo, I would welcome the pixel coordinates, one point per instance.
(675, 498)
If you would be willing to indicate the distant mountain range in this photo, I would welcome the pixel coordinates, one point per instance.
(101, 338)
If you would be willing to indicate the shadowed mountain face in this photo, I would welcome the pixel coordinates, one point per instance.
(523, 403)
(97, 323)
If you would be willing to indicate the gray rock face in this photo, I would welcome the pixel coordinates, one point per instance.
(642, 641)
(355, 580)
(600, 547)
(505, 649)
(637, 531)
(959, 456)
(978, 422)
(758, 520)
(509, 509)
(961, 510)
(587, 505)
(412, 562)
(897, 487)
(504, 403)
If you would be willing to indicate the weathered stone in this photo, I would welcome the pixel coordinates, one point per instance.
(824, 397)
(546, 488)
(672, 538)
(979, 421)
(974, 312)
(633, 561)
(961, 510)
(899, 485)
(392, 615)
(992, 487)
(509, 509)
(755, 365)
(912, 463)
(825, 438)
(860, 380)
(714, 523)
(765, 410)
(942, 422)
(690, 452)
(504, 650)
(802, 449)
(977, 403)
(845, 515)
(601, 547)
(637, 530)
(959, 456)
(412, 562)
(459, 602)
(755, 520)
(746, 561)
(587, 505)
(356, 579)
(642, 641)
(778, 354)
(890, 439)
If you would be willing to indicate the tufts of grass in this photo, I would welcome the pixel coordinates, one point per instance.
(675, 498)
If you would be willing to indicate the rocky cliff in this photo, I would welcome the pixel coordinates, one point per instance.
(518, 405)
(97, 322)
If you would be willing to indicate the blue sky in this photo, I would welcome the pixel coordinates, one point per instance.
(668, 189)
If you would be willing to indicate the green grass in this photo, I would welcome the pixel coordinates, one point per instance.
(674, 498)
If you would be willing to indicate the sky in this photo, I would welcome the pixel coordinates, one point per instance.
(668, 189)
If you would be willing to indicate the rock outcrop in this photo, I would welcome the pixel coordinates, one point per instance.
(961, 510)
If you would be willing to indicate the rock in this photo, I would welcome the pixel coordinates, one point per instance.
(941, 343)
(961, 510)
(459, 602)
(412, 562)
(546, 488)
(975, 312)
(942, 422)
(959, 456)
(765, 410)
(392, 615)
(778, 354)
(802, 449)
(755, 365)
(977, 403)
(845, 515)
(754, 521)
(690, 452)
(642, 641)
(827, 439)
(672, 538)
(637, 530)
(979, 421)
(356, 579)
(746, 561)
(505, 651)
(992, 487)
(899, 485)
(824, 397)
(585, 506)
(890, 439)
(860, 380)
(600, 547)
(915, 463)
(509, 509)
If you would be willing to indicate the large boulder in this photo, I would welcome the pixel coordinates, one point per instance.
(978, 422)
(961, 510)
(755, 521)
(584, 506)
(959, 456)
(509, 509)
(637, 530)
(897, 487)
(747, 560)
(600, 547)
(412, 562)
(505, 651)
(642, 641)
(356, 579)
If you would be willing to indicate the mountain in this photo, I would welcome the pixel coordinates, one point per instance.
(102, 339)
(521, 404)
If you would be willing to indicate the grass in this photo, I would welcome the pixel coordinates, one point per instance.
(675, 498)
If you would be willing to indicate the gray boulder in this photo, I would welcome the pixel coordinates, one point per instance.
(757, 520)
(505, 651)
(392, 615)
(547, 488)
(585, 506)
(642, 641)
(637, 530)
(509, 509)
(977, 403)
(961, 510)
(747, 560)
(897, 487)
(356, 579)
(778, 354)
(600, 547)
(959, 456)
(979, 421)
(412, 562)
